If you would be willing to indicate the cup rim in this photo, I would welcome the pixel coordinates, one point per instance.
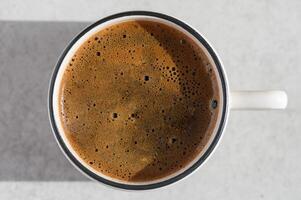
(193, 167)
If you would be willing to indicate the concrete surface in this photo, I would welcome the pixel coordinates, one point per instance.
(259, 43)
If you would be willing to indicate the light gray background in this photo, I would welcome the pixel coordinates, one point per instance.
(259, 43)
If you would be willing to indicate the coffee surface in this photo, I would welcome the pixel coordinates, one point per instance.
(139, 100)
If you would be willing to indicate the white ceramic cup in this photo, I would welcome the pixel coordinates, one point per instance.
(238, 100)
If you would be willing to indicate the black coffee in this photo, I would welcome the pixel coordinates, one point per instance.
(139, 100)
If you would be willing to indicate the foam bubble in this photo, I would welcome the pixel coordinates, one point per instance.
(214, 104)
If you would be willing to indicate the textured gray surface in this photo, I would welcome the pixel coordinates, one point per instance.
(28, 54)
(259, 156)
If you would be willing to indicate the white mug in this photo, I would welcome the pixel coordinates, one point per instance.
(238, 100)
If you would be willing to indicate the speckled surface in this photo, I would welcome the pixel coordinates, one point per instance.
(259, 156)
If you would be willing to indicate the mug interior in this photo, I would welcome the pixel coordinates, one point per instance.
(63, 63)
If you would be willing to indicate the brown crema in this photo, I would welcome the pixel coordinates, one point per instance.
(139, 100)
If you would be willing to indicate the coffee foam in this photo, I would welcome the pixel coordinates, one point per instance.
(139, 101)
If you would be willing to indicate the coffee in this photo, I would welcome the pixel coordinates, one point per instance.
(139, 100)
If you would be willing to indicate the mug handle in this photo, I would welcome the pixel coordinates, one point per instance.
(258, 100)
